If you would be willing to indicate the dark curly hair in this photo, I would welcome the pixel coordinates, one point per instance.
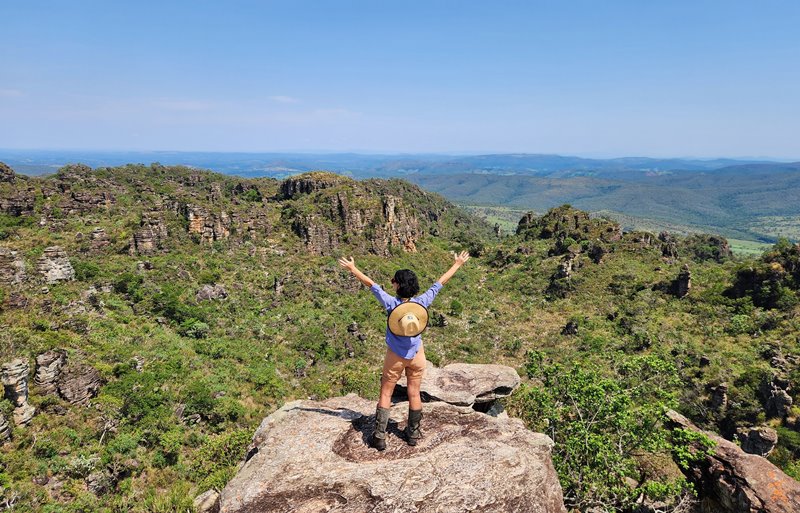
(408, 286)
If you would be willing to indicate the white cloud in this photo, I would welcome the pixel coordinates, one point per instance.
(284, 99)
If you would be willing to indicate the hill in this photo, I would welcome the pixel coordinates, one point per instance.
(754, 202)
(156, 314)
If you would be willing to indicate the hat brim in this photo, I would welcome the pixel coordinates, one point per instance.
(400, 311)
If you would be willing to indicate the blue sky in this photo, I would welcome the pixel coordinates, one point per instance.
(593, 78)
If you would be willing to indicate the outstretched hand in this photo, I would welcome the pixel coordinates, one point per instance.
(461, 258)
(350, 264)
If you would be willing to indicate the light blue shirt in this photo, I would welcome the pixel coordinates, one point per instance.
(404, 347)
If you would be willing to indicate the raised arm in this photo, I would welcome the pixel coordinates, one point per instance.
(460, 259)
(350, 265)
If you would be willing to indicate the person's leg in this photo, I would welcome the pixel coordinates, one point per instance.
(387, 389)
(393, 367)
(414, 397)
(414, 372)
(389, 377)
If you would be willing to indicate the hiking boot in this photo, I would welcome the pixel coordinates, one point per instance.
(378, 438)
(413, 431)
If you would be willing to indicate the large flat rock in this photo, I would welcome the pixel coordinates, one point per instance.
(313, 456)
(465, 384)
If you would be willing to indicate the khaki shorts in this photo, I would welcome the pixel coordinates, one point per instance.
(394, 366)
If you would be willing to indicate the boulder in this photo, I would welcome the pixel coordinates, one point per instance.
(758, 440)
(209, 292)
(466, 384)
(99, 482)
(12, 267)
(732, 481)
(313, 456)
(55, 266)
(78, 382)
(207, 502)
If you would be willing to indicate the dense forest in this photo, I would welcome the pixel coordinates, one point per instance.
(151, 316)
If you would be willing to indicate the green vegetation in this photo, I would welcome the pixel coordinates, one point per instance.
(187, 380)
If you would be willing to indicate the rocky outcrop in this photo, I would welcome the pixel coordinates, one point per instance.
(55, 266)
(775, 394)
(347, 214)
(78, 383)
(209, 292)
(17, 203)
(469, 385)
(565, 222)
(48, 368)
(150, 235)
(6, 173)
(732, 481)
(669, 245)
(313, 456)
(309, 183)
(209, 227)
(15, 387)
(702, 247)
(681, 286)
(12, 267)
(81, 202)
(719, 397)
(5, 429)
(758, 440)
(99, 239)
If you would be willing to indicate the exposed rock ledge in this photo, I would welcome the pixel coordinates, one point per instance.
(470, 385)
(312, 456)
(732, 481)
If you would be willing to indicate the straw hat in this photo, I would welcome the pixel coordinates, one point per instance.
(408, 319)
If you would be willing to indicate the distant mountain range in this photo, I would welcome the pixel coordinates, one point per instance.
(363, 166)
(746, 199)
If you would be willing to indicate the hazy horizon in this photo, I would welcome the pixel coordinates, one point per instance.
(379, 153)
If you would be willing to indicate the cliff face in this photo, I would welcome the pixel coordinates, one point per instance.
(323, 211)
(312, 456)
(327, 211)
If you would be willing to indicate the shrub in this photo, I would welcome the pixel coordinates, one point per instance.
(214, 463)
(599, 423)
(84, 270)
(741, 324)
(127, 283)
(193, 328)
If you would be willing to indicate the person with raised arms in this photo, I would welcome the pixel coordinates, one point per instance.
(407, 318)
